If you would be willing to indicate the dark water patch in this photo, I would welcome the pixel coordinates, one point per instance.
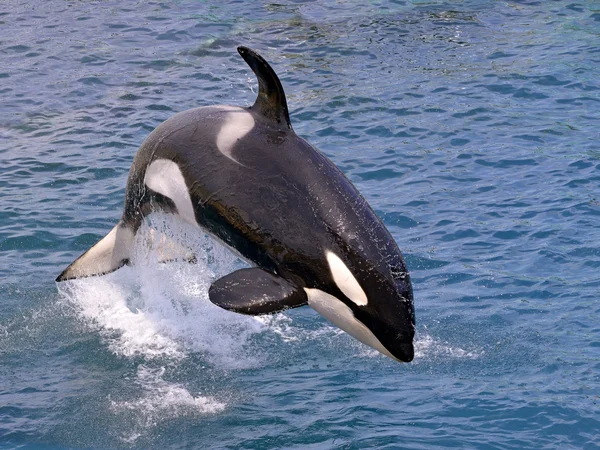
(512, 234)
(549, 80)
(581, 164)
(116, 26)
(332, 131)
(403, 134)
(379, 174)
(172, 35)
(130, 97)
(459, 142)
(434, 110)
(424, 263)
(159, 64)
(544, 234)
(500, 54)
(397, 219)
(553, 132)
(501, 88)
(484, 189)
(459, 235)
(156, 107)
(38, 240)
(529, 137)
(379, 131)
(578, 101)
(91, 81)
(509, 163)
(402, 112)
(17, 49)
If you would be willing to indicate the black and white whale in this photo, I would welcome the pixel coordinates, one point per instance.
(243, 175)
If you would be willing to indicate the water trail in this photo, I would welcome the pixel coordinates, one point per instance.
(161, 400)
(157, 315)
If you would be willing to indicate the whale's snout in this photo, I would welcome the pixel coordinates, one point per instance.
(404, 351)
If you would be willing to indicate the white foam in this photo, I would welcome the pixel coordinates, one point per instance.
(427, 347)
(104, 305)
(161, 400)
(283, 326)
(162, 310)
(166, 398)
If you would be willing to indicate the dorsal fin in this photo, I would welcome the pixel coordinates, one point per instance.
(270, 101)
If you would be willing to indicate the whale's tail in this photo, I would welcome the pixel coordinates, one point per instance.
(270, 101)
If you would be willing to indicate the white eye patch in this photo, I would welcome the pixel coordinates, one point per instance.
(345, 281)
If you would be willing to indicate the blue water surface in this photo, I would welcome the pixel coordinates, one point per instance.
(473, 129)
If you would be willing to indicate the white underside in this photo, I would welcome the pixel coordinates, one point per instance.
(341, 316)
(163, 176)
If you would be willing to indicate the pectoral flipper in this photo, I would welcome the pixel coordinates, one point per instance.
(256, 291)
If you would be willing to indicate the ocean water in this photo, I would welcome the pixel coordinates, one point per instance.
(472, 128)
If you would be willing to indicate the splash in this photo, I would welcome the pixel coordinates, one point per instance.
(166, 399)
(157, 315)
(161, 400)
(427, 347)
(283, 326)
(161, 310)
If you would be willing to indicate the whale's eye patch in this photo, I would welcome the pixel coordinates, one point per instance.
(345, 281)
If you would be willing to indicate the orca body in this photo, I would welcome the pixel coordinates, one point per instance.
(243, 175)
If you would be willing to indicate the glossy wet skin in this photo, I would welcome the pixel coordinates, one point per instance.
(243, 175)
(281, 204)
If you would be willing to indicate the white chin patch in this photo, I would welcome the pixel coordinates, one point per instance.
(341, 316)
(345, 281)
(163, 176)
(237, 124)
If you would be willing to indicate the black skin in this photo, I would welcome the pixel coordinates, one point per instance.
(281, 206)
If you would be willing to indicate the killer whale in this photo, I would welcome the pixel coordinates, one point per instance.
(244, 176)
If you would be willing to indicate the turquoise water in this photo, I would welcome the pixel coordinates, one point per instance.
(472, 128)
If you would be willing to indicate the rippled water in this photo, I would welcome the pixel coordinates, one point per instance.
(471, 127)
